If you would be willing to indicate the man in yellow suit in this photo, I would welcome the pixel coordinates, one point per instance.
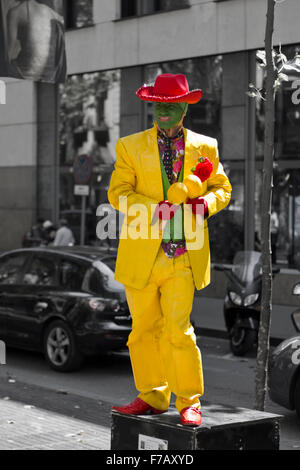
(164, 249)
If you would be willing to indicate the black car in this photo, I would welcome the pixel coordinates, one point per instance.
(284, 367)
(64, 302)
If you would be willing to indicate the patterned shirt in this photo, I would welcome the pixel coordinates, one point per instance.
(172, 151)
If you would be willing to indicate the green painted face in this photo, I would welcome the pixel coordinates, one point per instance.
(168, 115)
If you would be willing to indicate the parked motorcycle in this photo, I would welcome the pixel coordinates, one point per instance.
(243, 300)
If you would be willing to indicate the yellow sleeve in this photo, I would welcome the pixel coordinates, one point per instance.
(219, 189)
(122, 194)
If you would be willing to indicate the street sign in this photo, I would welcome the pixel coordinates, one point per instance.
(81, 190)
(83, 169)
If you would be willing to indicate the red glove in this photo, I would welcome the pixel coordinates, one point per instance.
(163, 212)
(198, 205)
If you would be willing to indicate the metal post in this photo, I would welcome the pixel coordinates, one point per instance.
(82, 228)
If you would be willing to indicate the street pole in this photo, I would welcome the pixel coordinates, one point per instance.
(83, 172)
(82, 228)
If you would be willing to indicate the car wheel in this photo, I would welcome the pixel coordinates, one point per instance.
(297, 397)
(242, 340)
(60, 348)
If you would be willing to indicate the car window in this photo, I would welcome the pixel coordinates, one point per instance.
(71, 275)
(100, 278)
(110, 261)
(92, 282)
(41, 272)
(10, 267)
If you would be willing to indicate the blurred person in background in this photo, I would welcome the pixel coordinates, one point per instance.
(34, 236)
(274, 228)
(49, 232)
(64, 235)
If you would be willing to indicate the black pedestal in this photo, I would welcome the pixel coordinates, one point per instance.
(223, 428)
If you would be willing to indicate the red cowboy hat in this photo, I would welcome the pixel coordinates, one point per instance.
(170, 88)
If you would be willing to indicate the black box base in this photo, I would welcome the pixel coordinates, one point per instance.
(223, 428)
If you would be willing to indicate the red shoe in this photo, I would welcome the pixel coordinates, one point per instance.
(138, 407)
(191, 416)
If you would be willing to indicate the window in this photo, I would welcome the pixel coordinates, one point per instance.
(92, 282)
(287, 123)
(285, 238)
(78, 13)
(89, 124)
(167, 5)
(226, 229)
(128, 8)
(205, 73)
(131, 8)
(100, 278)
(41, 272)
(70, 275)
(10, 268)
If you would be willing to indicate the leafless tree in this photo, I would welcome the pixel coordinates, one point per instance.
(266, 301)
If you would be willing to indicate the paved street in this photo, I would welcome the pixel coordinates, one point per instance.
(72, 411)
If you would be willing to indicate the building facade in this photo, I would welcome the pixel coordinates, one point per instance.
(113, 47)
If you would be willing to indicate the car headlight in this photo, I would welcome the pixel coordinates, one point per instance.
(235, 298)
(296, 289)
(250, 299)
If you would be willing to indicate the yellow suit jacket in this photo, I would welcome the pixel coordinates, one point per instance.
(136, 182)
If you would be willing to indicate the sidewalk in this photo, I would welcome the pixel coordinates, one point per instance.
(24, 427)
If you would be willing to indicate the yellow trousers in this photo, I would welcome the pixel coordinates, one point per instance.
(162, 344)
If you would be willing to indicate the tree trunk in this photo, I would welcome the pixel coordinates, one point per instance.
(266, 301)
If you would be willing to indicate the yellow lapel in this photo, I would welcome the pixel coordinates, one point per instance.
(191, 154)
(193, 151)
(151, 160)
(151, 165)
